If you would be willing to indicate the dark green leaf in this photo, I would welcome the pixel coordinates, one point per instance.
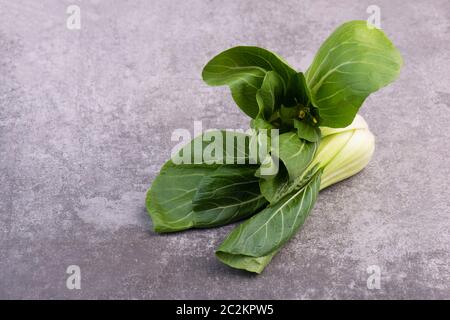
(227, 194)
(270, 94)
(243, 69)
(215, 147)
(271, 187)
(287, 114)
(278, 187)
(169, 200)
(262, 235)
(260, 123)
(295, 153)
(244, 262)
(307, 131)
(351, 64)
(298, 92)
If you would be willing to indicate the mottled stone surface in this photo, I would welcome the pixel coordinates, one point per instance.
(86, 118)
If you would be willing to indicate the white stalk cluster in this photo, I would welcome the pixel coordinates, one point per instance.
(344, 152)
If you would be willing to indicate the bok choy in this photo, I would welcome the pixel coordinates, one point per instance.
(319, 140)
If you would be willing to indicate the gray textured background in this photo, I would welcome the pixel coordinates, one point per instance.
(85, 124)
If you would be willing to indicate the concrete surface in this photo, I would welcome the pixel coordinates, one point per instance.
(85, 123)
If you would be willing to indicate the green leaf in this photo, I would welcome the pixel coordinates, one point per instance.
(202, 196)
(262, 235)
(260, 123)
(298, 92)
(271, 187)
(287, 114)
(269, 95)
(219, 147)
(247, 263)
(278, 187)
(243, 69)
(295, 153)
(228, 194)
(169, 200)
(307, 131)
(352, 63)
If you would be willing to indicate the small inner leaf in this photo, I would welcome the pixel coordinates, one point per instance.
(307, 131)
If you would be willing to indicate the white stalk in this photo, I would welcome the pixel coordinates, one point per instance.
(344, 152)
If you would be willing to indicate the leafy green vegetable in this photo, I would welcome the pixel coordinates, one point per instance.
(203, 195)
(295, 153)
(264, 233)
(182, 196)
(351, 64)
(215, 147)
(342, 153)
(260, 123)
(244, 69)
(271, 187)
(307, 131)
(228, 194)
(298, 92)
(169, 201)
(322, 141)
(269, 95)
(275, 189)
(244, 262)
